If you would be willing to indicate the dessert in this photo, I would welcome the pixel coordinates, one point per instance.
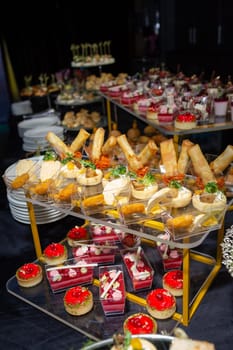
(103, 233)
(173, 282)
(73, 273)
(112, 289)
(160, 303)
(29, 275)
(95, 253)
(55, 254)
(128, 98)
(118, 90)
(171, 257)
(185, 121)
(138, 267)
(78, 300)
(152, 112)
(76, 234)
(142, 105)
(140, 323)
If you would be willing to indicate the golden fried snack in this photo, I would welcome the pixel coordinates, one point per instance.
(57, 144)
(200, 164)
(108, 145)
(65, 193)
(222, 161)
(182, 222)
(148, 152)
(183, 160)
(41, 188)
(168, 157)
(93, 201)
(134, 163)
(19, 181)
(79, 140)
(128, 209)
(98, 142)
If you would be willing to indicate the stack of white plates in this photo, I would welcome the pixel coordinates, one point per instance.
(37, 122)
(34, 139)
(18, 205)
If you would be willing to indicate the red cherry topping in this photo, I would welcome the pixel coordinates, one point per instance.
(186, 117)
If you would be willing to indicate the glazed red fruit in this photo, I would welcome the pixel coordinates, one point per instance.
(140, 324)
(54, 250)
(186, 117)
(29, 270)
(77, 233)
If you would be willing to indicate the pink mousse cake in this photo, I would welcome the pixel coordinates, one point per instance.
(138, 267)
(112, 289)
(73, 273)
(95, 253)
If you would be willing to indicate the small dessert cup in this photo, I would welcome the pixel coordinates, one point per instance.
(139, 268)
(112, 289)
(95, 253)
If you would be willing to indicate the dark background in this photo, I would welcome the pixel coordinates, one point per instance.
(194, 35)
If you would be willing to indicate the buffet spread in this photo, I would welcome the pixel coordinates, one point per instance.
(145, 205)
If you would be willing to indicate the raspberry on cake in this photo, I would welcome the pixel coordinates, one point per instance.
(173, 282)
(95, 253)
(185, 121)
(160, 303)
(55, 254)
(76, 234)
(29, 275)
(140, 323)
(78, 300)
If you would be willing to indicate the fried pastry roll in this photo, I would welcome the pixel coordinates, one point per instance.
(200, 164)
(183, 159)
(168, 157)
(79, 140)
(222, 161)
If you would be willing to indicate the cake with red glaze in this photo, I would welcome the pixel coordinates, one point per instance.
(138, 267)
(29, 275)
(76, 234)
(78, 300)
(171, 257)
(104, 233)
(112, 289)
(95, 253)
(152, 112)
(160, 303)
(66, 276)
(118, 90)
(140, 323)
(142, 104)
(166, 114)
(55, 254)
(173, 282)
(185, 121)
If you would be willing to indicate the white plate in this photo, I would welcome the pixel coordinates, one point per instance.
(41, 131)
(37, 122)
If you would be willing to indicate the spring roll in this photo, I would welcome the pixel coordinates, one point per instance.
(168, 157)
(98, 142)
(148, 152)
(183, 160)
(79, 140)
(200, 165)
(57, 144)
(109, 144)
(222, 161)
(134, 163)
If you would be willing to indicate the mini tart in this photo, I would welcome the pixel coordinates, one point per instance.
(78, 300)
(76, 234)
(144, 193)
(207, 202)
(160, 303)
(29, 275)
(140, 323)
(85, 180)
(185, 121)
(55, 254)
(173, 282)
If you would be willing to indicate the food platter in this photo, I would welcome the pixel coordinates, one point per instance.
(162, 342)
